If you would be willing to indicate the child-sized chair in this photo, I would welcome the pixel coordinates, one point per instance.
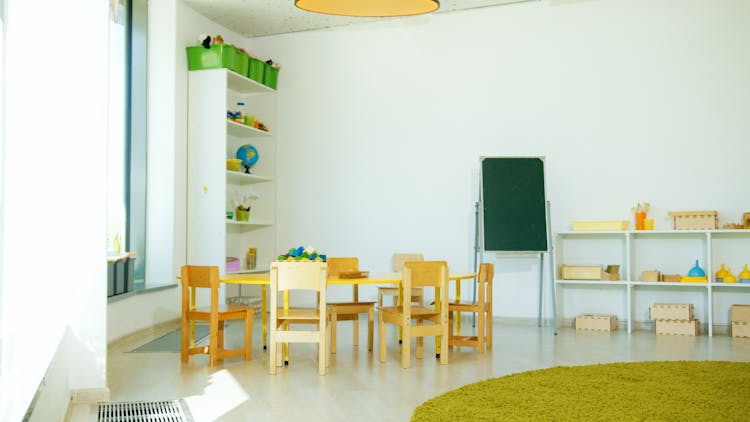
(191, 278)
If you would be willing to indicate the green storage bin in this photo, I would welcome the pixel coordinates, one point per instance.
(256, 69)
(242, 63)
(216, 57)
(270, 76)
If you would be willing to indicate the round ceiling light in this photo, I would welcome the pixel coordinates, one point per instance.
(369, 8)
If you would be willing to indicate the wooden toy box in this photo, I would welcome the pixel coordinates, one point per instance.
(671, 311)
(596, 322)
(695, 220)
(678, 328)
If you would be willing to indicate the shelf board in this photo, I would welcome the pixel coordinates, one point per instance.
(239, 177)
(732, 285)
(593, 282)
(245, 85)
(251, 223)
(238, 129)
(667, 284)
(652, 232)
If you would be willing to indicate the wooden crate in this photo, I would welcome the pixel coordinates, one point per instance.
(581, 272)
(741, 329)
(652, 275)
(671, 278)
(695, 220)
(671, 311)
(596, 322)
(740, 313)
(678, 327)
(600, 225)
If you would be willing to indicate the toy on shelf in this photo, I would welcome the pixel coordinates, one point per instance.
(695, 275)
(302, 254)
(721, 274)
(695, 220)
(248, 155)
(640, 210)
(745, 276)
(729, 277)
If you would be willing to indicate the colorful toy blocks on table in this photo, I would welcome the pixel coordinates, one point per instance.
(302, 254)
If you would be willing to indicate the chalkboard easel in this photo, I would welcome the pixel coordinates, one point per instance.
(513, 212)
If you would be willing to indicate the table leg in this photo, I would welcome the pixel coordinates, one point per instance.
(264, 314)
(286, 327)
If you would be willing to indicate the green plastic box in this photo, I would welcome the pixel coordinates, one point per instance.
(216, 57)
(242, 63)
(270, 76)
(256, 70)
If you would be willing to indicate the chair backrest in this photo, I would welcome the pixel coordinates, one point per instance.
(426, 274)
(398, 259)
(484, 282)
(337, 266)
(293, 275)
(202, 277)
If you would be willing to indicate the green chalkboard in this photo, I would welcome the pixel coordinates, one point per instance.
(513, 204)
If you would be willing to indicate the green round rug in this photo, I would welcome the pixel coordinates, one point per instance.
(654, 391)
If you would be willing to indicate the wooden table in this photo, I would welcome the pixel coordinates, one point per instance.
(264, 280)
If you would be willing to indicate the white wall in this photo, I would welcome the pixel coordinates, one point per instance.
(381, 125)
(54, 203)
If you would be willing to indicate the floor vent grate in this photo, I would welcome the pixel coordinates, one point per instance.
(146, 411)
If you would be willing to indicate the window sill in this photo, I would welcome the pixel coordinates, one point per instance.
(140, 288)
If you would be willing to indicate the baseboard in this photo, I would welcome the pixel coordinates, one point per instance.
(145, 334)
(89, 395)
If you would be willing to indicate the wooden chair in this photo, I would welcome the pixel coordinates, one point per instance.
(419, 274)
(286, 276)
(482, 307)
(397, 261)
(349, 311)
(193, 277)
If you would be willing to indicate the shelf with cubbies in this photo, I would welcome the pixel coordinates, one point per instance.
(212, 237)
(669, 251)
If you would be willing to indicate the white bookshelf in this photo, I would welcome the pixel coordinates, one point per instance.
(669, 251)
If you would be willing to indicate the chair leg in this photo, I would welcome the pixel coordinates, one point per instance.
(450, 329)
(322, 349)
(220, 349)
(334, 323)
(213, 340)
(272, 350)
(406, 346)
(249, 335)
(420, 342)
(355, 325)
(444, 342)
(480, 331)
(489, 327)
(370, 327)
(185, 341)
(381, 337)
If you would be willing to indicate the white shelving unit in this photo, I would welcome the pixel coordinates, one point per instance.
(671, 252)
(212, 139)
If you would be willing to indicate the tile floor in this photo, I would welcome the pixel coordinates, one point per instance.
(357, 386)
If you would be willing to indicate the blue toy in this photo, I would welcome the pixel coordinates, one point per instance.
(248, 154)
(696, 271)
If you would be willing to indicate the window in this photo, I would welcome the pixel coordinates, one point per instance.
(126, 178)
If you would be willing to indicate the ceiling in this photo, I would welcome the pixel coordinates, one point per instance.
(254, 18)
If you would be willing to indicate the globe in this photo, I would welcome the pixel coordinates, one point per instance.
(248, 155)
